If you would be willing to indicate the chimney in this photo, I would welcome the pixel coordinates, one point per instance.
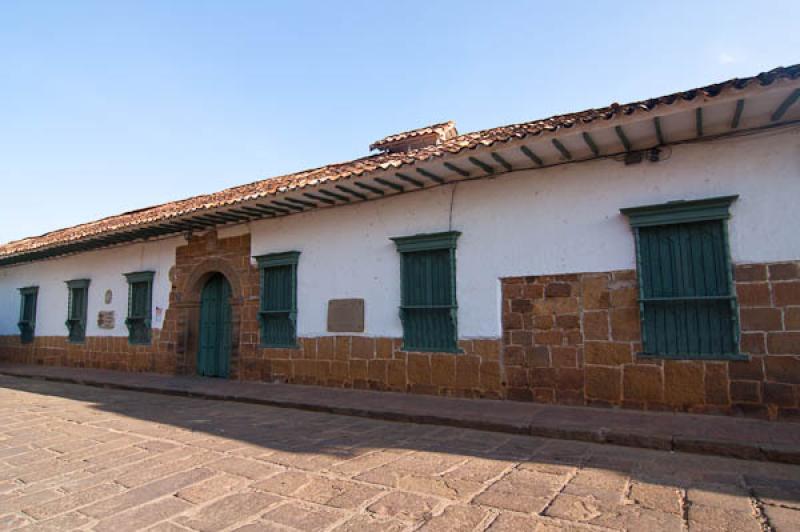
(416, 138)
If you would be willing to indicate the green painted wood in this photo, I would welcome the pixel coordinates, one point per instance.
(390, 184)
(680, 211)
(140, 302)
(27, 313)
(659, 131)
(698, 120)
(480, 164)
(737, 114)
(686, 294)
(587, 138)
(314, 197)
(408, 179)
(529, 153)
(430, 175)
(288, 206)
(623, 138)
(334, 195)
(77, 309)
(562, 149)
(278, 308)
(304, 203)
(499, 158)
(428, 308)
(272, 207)
(426, 241)
(213, 355)
(785, 104)
(369, 188)
(457, 169)
(352, 192)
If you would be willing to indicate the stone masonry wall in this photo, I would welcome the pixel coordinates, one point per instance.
(574, 339)
(98, 352)
(568, 339)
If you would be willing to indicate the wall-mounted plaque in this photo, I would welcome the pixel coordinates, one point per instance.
(346, 315)
(108, 297)
(105, 319)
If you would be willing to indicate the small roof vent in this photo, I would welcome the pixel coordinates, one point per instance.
(416, 138)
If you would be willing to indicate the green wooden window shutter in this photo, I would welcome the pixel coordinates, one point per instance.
(140, 305)
(27, 313)
(428, 308)
(687, 300)
(77, 308)
(278, 311)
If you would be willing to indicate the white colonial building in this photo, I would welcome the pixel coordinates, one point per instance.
(641, 255)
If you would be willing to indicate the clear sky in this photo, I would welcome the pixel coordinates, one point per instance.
(110, 106)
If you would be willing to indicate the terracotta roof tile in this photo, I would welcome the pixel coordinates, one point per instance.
(444, 131)
(359, 167)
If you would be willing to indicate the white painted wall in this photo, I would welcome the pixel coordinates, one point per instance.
(560, 220)
(105, 269)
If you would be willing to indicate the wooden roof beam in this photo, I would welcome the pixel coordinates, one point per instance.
(326, 201)
(480, 164)
(350, 191)
(659, 131)
(272, 208)
(430, 175)
(562, 149)
(369, 188)
(623, 138)
(698, 121)
(390, 184)
(457, 169)
(408, 179)
(504, 163)
(287, 206)
(587, 138)
(334, 195)
(785, 104)
(737, 114)
(530, 154)
(304, 203)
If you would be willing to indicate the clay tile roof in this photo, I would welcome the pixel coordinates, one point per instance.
(444, 131)
(450, 143)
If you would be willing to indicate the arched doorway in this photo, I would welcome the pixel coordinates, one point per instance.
(214, 351)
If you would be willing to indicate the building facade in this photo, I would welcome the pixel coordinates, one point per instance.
(642, 256)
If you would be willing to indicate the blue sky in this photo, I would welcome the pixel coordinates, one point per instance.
(112, 106)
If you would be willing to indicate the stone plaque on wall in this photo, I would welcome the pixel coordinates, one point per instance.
(105, 319)
(346, 315)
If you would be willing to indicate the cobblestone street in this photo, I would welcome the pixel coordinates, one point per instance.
(75, 457)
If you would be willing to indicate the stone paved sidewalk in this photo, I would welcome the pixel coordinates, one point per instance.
(719, 435)
(83, 458)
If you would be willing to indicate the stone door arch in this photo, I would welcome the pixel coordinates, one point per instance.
(186, 299)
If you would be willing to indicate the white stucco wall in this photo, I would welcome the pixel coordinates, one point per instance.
(105, 269)
(560, 220)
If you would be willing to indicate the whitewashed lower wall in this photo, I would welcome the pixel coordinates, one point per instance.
(105, 269)
(559, 220)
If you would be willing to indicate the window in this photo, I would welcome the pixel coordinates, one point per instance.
(278, 313)
(428, 307)
(686, 297)
(27, 313)
(76, 309)
(140, 305)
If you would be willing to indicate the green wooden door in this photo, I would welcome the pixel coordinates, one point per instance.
(213, 356)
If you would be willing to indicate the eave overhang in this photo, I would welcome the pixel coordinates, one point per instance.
(706, 116)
